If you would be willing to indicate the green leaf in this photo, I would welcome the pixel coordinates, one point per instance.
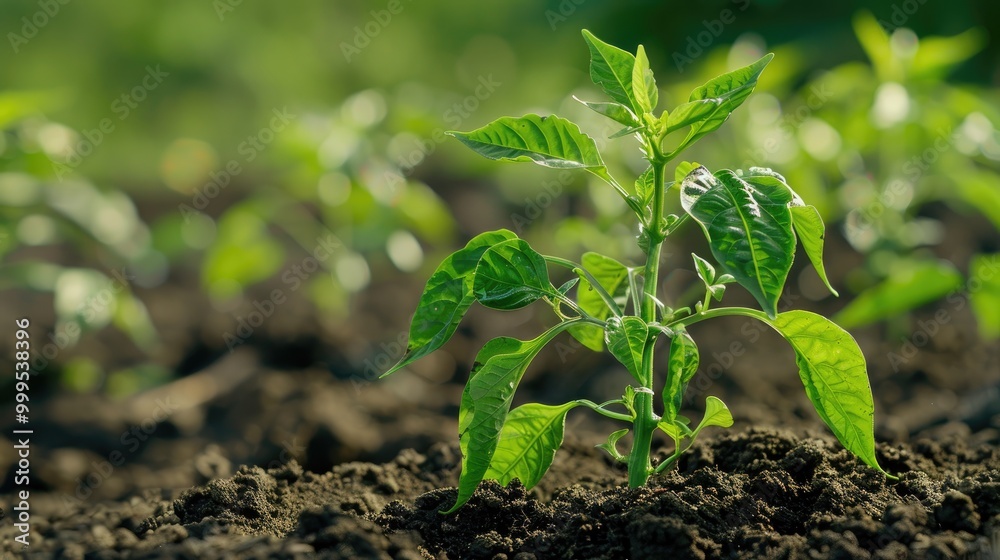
(626, 338)
(728, 92)
(643, 83)
(645, 186)
(683, 169)
(497, 371)
(625, 132)
(833, 371)
(691, 112)
(682, 364)
(529, 440)
(614, 111)
(611, 446)
(909, 286)
(984, 293)
(612, 68)
(671, 429)
(749, 230)
(705, 270)
(716, 414)
(613, 277)
(549, 141)
(812, 233)
(446, 298)
(806, 219)
(511, 275)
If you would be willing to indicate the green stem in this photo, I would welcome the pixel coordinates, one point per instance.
(599, 408)
(720, 312)
(639, 467)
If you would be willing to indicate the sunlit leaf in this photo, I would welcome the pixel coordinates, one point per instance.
(716, 414)
(613, 276)
(486, 400)
(627, 338)
(446, 298)
(812, 234)
(550, 141)
(835, 377)
(643, 83)
(531, 435)
(614, 111)
(682, 365)
(511, 275)
(611, 446)
(645, 186)
(749, 231)
(727, 92)
(612, 68)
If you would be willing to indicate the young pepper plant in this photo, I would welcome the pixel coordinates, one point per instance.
(752, 221)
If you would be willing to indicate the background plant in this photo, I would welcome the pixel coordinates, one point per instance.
(751, 220)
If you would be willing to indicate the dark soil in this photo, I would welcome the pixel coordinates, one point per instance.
(760, 493)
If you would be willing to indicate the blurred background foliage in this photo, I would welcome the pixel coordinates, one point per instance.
(171, 172)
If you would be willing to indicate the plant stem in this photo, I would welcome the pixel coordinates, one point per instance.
(639, 467)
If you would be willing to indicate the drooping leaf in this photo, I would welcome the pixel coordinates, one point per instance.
(613, 277)
(446, 298)
(614, 111)
(627, 338)
(643, 83)
(728, 91)
(511, 275)
(549, 141)
(682, 364)
(749, 231)
(835, 377)
(812, 233)
(909, 286)
(806, 220)
(984, 293)
(611, 68)
(716, 414)
(529, 440)
(611, 446)
(486, 401)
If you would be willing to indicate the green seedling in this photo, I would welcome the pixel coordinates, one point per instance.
(752, 220)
